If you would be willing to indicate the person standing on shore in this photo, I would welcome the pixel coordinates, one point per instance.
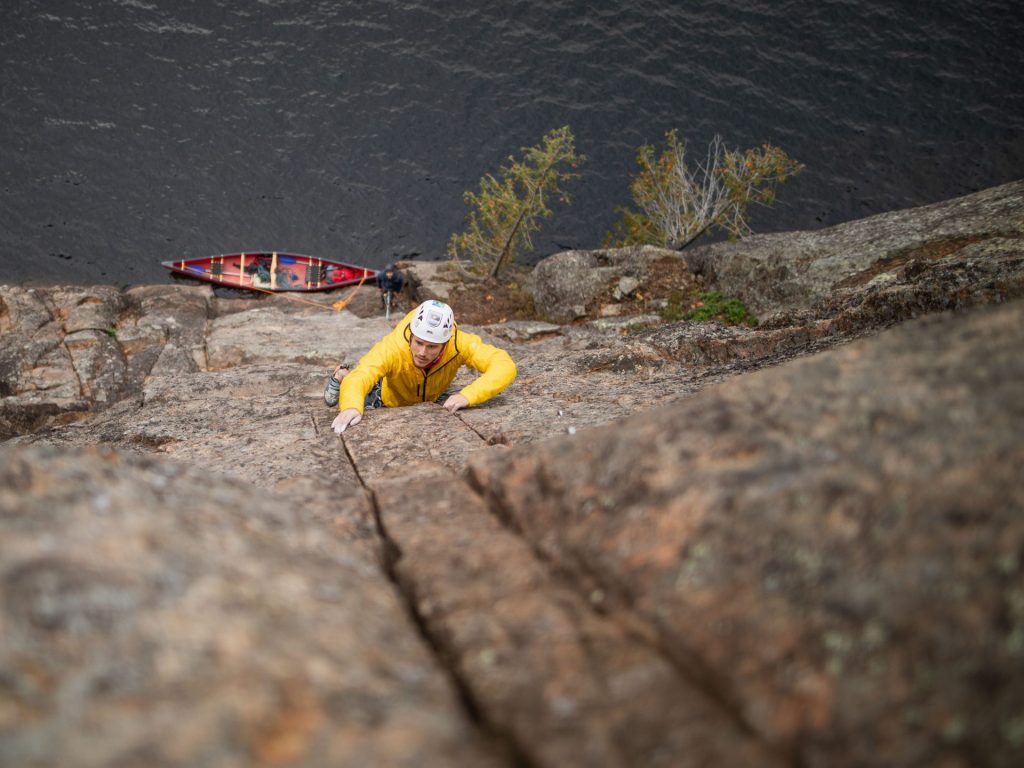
(416, 363)
(390, 280)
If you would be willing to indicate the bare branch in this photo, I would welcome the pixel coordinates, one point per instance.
(678, 204)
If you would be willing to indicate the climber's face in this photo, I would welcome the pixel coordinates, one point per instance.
(423, 352)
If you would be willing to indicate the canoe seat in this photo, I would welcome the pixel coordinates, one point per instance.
(216, 269)
(314, 273)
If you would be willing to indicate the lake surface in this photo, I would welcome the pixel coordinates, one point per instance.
(134, 131)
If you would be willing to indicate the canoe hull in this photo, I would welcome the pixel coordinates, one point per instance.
(274, 272)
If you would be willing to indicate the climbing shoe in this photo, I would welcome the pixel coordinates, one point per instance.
(331, 391)
(333, 385)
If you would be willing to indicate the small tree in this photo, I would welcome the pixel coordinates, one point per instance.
(678, 203)
(508, 210)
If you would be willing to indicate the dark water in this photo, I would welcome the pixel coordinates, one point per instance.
(133, 131)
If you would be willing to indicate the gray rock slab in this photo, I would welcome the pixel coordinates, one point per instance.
(265, 425)
(621, 324)
(793, 270)
(822, 557)
(523, 330)
(269, 335)
(388, 440)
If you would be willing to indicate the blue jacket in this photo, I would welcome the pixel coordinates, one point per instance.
(394, 284)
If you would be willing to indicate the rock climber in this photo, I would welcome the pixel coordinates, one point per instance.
(416, 363)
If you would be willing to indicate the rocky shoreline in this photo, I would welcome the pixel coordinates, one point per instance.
(666, 544)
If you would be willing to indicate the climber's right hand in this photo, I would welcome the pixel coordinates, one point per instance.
(346, 419)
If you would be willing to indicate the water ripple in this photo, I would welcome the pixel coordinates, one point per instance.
(352, 128)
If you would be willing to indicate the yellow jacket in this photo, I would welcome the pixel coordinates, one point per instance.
(390, 359)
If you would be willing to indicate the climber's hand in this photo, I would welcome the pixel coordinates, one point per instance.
(346, 419)
(455, 402)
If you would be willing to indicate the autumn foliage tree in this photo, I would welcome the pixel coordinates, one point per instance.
(679, 201)
(510, 207)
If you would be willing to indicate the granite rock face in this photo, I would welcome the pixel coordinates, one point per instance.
(691, 545)
(324, 339)
(71, 351)
(793, 270)
(832, 548)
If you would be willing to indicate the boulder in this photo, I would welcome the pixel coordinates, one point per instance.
(625, 287)
(428, 280)
(564, 284)
(575, 284)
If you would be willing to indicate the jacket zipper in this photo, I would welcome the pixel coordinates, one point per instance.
(421, 389)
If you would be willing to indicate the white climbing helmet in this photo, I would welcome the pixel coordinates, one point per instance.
(433, 322)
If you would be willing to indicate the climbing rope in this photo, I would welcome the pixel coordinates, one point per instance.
(340, 305)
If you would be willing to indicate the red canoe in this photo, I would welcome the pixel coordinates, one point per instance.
(272, 271)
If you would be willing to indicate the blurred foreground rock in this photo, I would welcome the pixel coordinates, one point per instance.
(685, 545)
(831, 549)
(160, 614)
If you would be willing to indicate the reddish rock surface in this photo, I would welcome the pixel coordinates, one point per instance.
(831, 547)
(680, 545)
